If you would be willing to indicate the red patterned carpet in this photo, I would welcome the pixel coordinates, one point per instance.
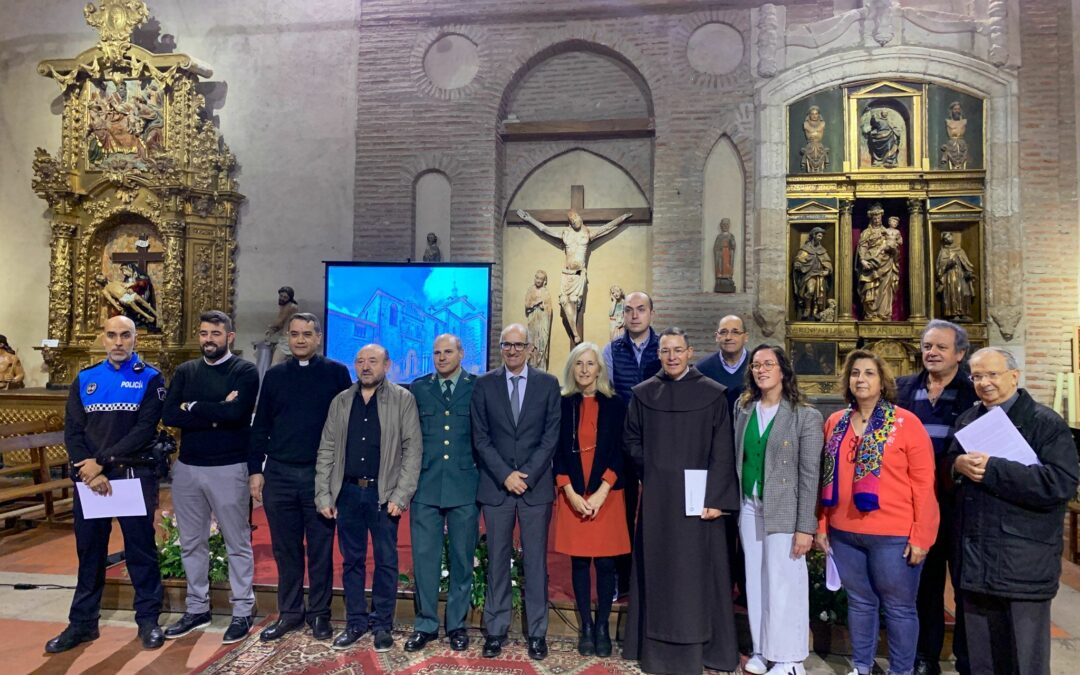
(299, 653)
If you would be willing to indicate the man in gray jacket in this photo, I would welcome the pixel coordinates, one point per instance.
(366, 473)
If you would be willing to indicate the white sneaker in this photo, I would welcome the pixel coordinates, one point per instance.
(787, 669)
(756, 665)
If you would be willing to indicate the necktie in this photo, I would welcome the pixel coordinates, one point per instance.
(515, 404)
(446, 389)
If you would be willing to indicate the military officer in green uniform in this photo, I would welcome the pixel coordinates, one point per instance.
(446, 495)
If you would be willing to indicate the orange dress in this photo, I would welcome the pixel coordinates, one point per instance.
(606, 535)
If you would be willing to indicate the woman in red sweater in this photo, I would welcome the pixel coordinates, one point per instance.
(879, 515)
(590, 516)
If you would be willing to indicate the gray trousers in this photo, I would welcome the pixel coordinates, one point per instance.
(223, 490)
(533, 524)
(1011, 637)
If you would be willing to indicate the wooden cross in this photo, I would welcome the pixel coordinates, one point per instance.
(553, 217)
(142, 257)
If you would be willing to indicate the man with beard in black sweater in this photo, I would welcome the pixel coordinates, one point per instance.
(211, 400)
(288, 425)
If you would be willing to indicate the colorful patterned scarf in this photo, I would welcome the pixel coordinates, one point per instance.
(867, 458)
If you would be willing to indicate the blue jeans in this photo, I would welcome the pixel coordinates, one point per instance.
(875, 574)
(359, 512)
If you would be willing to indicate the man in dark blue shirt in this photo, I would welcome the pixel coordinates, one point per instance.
(112, 414)
(938, 394)
(288, 423)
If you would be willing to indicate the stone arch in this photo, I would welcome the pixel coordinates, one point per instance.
(432, 211)
(538, 158)
(998, 86)
(413, 171)
(723, 199)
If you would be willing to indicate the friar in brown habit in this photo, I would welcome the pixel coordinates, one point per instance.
(681, 616)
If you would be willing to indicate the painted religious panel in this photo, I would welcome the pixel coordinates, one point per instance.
(816, 133)
(955, 125)
(813, 358)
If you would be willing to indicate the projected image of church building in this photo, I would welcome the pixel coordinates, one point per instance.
(408, 331)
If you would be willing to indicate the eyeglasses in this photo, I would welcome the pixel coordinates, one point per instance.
(979, 377)
(513, 346)
(677, 351)
(767, 365)
(735, 332)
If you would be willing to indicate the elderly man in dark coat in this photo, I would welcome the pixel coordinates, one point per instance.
(681, 617)
(1009, 524)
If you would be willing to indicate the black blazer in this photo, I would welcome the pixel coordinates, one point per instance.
(610, 416)
(503, 446)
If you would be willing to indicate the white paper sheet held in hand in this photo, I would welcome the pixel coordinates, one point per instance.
(126, 500)
(695, 490)
(995, 435)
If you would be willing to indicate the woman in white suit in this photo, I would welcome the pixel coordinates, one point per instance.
(778, 441)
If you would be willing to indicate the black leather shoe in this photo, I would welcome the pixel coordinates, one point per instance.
(347, 638)
(186, 624)
(238, 629)
(280, 628)
(320, 628)
(586, 644)
(493, 646)
(926, 667)
(383, 641)
(537, 648)
(603, 640)
(418, 640)
(71, 637)
(152, 636)
(459, 640)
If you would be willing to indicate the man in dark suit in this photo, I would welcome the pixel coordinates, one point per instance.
(515, 419)
(445, 497)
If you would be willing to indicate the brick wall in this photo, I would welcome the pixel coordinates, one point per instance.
(1048, 191)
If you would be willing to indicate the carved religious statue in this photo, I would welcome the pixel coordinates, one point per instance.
(575, 241)
(723, 252)
(616, 321)
(955, 280)
(954, 153)
(812, 275)
(882, 139)
(815, 154)
(11, 369)
(538, 313)
(878, 265)
(277, 332)
(122, 299)
(432, 253)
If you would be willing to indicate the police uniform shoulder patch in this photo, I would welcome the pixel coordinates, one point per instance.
(91, 388)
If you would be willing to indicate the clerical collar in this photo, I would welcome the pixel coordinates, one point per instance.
(303, 363)
(223, 359)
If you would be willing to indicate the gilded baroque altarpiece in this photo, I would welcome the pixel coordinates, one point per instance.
(142, 199)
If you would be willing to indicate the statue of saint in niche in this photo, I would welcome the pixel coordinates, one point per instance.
(878, 265)
(574, 286)
(723, 252)
(883, 137)
(432, 253)
(954, 154)
(616, 320)
(812, 274)
(955, 279)
(538, 316)
(815, 155)
(11, 368)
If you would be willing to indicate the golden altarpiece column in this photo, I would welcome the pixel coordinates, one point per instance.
(885, 194)
(142, 199)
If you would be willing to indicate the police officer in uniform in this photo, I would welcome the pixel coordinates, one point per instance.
(445, 496)
(112, 415)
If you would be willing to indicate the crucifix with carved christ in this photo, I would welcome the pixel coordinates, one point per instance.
(576, 241)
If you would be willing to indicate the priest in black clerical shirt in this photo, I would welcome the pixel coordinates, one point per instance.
(288, 423)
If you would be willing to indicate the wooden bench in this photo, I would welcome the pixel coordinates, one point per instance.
(29, 486)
